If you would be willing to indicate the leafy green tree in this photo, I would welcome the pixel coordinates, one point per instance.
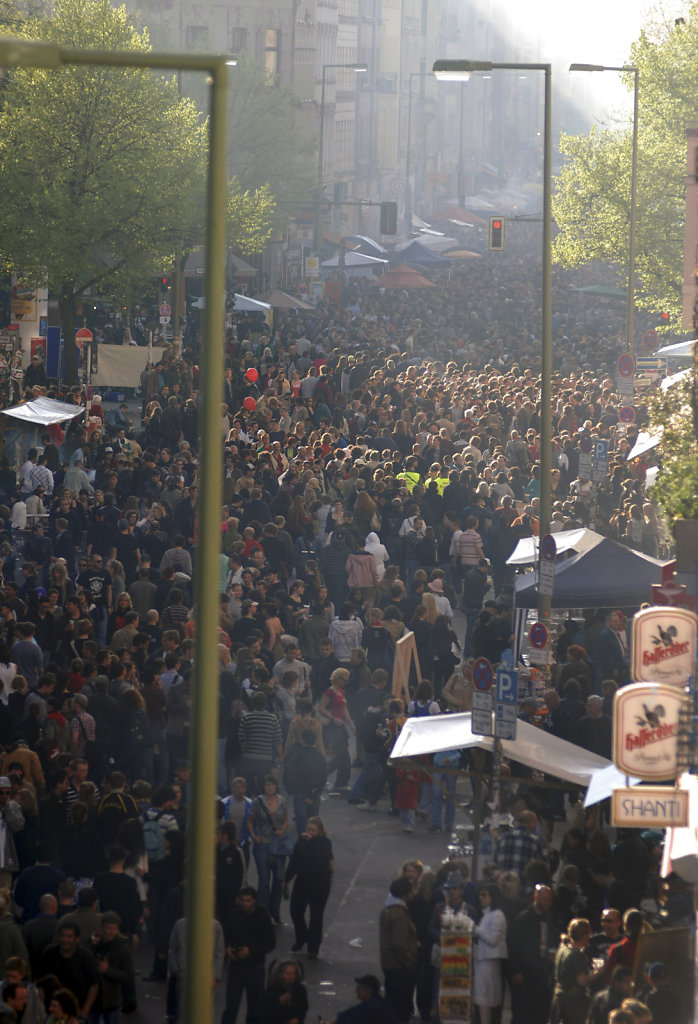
(101, 169)
(676, 410)
(591, 203)
(250, 216)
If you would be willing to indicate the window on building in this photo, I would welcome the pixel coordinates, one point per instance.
(197, 37)
(272, 45)
(238, 40)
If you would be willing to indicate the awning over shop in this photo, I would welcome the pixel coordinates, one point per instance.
(244, 304)
(42, 412)
(526, 551)
(533, 747)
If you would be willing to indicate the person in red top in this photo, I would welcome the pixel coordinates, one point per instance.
(334, 714)
(623, 953)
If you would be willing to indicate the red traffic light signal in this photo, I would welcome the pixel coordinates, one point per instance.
(164, 283)
(496, 239)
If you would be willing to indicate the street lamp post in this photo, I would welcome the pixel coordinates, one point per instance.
(630, 310)
(358, 69)
(408, 154)
(452, 70)
(199, 905)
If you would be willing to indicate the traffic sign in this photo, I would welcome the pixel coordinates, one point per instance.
(505, 722)
(626, 414)
(599, 465)
(625, 365)
(482, 675)
(165, 310)
(481, 719)
(585, 444)
(83, 336)
(548, 548)
(538, 635)
(650, 340)
(507, 686)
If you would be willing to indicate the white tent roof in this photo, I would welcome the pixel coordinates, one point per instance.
(646, 440)
(532, 747)
(244, 304)
(669, 382)
(526, 551)
(354, 259)
(42, 412)
(678, 349)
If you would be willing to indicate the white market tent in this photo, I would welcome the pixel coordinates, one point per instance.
(646, 440)
(679, 350)
(526, 551)
(244, 304)
(533, 747)
(355, 259)
(681, 844)
(42, 412)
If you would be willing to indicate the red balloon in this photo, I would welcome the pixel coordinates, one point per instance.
(249, 403)
(252, 375)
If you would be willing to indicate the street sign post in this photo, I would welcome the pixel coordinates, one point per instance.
(626, 414)
(483, 674)
(625, 365)
(538, 636)
(546, 565)
(83, 337)
(481, 721)
(505, 722)
(599, 459)
(507, 686)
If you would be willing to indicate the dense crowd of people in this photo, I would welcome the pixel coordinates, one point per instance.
(381, 462)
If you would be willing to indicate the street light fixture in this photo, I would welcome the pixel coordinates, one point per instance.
(358, 69)
(460, 70)
(630, 311)
(199, 899)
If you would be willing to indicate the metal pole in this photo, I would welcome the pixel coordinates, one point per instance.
(633, 206)
(199, 901)
(408, 185)
(317, 231)
(544, 602)
(461, 199)
(201, 826)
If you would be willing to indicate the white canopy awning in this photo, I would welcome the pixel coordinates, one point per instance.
(526, 551)
(533, 747)
(678, 350)
(646, 440)
(354, 259)
(42, 412)
(244, 304)
(682, 843)
(669, 382)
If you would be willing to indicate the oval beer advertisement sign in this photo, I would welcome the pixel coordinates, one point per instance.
(664, 645)
(645, 730)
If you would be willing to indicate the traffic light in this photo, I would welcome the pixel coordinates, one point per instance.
(496, 243)
(164, 281)
(388, 218)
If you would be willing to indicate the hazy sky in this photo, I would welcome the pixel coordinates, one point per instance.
(590, 32)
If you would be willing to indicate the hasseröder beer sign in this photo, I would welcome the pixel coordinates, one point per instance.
(645, 730)
(664, 645)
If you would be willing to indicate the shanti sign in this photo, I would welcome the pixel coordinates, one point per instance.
(664, 645)
(645, 730)
(649, 807)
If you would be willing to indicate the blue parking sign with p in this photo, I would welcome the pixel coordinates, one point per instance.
(507, 686)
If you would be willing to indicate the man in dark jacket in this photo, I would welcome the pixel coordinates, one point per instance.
(114, 966)
(531, 937)
(249, 937)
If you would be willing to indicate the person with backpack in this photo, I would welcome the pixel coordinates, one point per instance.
(116, 807)
(157, 821)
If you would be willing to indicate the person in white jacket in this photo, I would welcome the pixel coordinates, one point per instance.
(379, 552)
(490, 948)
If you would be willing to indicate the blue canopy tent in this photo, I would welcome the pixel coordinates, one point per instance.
(417, 255)
(608, 575)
